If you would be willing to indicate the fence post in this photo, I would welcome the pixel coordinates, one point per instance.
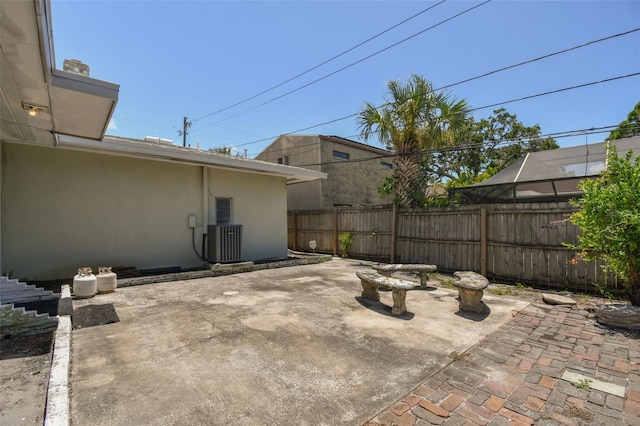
(394, 232)
(335, 231)
(295, 231)
(483, 242)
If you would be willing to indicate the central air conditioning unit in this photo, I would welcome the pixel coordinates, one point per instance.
(224, 243)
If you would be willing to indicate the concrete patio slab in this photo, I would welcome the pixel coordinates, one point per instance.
(291, 346)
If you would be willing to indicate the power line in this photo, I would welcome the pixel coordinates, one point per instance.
(556, 135)
(348, 66)
(550, 92)
(364, 42)
(323, 63)
(474, 109)
(539, 58)
(578, 86)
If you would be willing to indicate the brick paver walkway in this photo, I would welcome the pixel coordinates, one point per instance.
(549, 365)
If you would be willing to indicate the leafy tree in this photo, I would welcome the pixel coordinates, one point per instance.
(629, 127)
(481, 150)
(224, 150)
(414, 118)
(230, 151)
(609, 218)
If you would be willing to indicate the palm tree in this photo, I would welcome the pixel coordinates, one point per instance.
(413, 120)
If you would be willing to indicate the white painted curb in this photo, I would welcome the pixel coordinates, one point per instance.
(57, 411)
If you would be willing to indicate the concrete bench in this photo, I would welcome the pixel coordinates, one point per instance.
(470, 287)
(419, 269)
(371, 281)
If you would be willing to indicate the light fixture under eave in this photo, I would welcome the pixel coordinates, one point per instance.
(33, 109)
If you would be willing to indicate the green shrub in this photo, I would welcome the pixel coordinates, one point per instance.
(609, 218)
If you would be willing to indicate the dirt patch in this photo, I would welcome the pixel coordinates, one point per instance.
(523, 292)
(24, 375)
(26, 346)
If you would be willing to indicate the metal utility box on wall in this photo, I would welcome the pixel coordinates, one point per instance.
(224, 243)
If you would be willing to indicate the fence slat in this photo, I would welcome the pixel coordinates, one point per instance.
(522, 242)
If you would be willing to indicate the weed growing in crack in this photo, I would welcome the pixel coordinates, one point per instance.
(582, 384)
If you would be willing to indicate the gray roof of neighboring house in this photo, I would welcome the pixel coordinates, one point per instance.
(548, 175)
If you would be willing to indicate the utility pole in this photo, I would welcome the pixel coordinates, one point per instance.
(185, 131)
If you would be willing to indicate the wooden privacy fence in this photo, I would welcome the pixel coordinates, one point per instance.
(511, 242)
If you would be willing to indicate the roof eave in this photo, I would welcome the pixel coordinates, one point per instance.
(186, 156)
(80, 105)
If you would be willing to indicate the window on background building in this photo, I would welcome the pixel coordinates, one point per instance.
(223, 211)
(283, 160)
(386, 165)
(340, 155)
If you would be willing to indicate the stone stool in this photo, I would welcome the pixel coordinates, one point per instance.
(470, 287)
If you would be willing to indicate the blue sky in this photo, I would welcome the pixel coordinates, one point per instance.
(193, 58)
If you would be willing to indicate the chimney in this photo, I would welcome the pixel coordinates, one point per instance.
(75, 66)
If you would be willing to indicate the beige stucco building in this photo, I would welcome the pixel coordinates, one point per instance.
(354, 170)
(73, 197)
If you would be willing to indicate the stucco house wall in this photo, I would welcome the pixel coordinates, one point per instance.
(353, 181)
(300, 151)
(350, 182)
(259, 204)
(65, 209)
(304, 195)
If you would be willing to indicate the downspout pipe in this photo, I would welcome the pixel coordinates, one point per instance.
(205, 208)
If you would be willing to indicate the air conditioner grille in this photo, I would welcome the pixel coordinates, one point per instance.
(224, 243)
